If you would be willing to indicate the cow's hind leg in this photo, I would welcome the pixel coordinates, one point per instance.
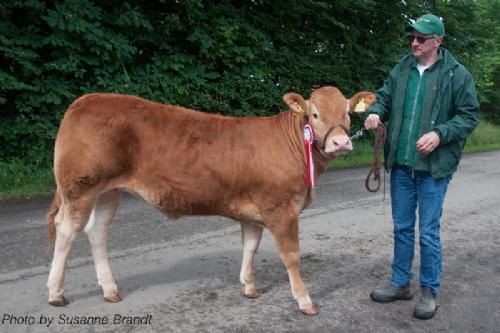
(286, 236)
(70, 220)
(251, 236)
(96, 230)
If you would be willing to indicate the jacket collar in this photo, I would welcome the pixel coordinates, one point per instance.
(445, 59)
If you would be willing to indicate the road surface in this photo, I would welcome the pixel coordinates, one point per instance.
(182, 275)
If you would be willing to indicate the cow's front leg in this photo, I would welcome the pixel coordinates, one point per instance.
(251, 236)
(286, 236)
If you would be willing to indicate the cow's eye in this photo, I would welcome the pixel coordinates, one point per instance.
(315, 115)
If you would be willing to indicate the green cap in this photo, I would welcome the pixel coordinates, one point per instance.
(428, 24)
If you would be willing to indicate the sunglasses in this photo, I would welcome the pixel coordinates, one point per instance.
(420, 39)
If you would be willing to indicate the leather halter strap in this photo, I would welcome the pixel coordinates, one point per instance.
(334, 126)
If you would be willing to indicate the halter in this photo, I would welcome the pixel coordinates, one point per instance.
(323, 145)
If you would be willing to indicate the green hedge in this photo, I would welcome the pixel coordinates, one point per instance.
(228, 57)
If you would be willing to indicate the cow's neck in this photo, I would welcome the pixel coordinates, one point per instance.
(321, 160)
(293, 126)
(293, 129)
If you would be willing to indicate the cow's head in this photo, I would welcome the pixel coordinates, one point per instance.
(327, 110)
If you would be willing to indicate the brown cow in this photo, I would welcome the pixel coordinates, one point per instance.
(183, 162)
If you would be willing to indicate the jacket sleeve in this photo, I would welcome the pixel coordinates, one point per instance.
(466, 109)
(383, 104)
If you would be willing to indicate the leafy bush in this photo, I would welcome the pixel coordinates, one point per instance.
(230, 57)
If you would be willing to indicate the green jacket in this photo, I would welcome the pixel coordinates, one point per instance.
(450, 108)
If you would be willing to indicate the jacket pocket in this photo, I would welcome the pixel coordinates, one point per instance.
(444, 161)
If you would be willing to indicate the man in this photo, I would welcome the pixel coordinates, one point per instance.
(431, 106)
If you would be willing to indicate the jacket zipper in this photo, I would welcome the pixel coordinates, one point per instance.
(412, 120)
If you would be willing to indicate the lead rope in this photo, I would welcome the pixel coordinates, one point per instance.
(380, 134)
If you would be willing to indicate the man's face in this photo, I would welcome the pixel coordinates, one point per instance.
(423, 46)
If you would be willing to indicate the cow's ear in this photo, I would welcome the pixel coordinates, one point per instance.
(296, 103)
(361, 101)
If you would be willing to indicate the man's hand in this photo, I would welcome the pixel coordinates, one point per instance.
(372, 121)
(428, 142)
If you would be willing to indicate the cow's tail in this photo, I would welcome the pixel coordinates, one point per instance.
(51, 216)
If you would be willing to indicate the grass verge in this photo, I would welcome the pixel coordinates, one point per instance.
(21, 180)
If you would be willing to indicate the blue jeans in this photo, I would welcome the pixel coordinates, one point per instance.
(411, 189)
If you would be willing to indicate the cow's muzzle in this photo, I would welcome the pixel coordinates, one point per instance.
(341, 144)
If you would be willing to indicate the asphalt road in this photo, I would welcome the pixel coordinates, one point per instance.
(182, 275)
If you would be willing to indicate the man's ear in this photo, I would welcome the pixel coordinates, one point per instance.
(296, 103)
(361, 101)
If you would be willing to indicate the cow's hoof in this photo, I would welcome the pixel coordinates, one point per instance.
(113, 298)
(251, 293)
(311, 311)
(62, 301)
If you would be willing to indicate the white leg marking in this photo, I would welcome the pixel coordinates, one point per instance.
(251, 236)
(97, 227)
(66, 234)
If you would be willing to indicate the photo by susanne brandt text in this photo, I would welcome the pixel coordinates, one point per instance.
(10, 319)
